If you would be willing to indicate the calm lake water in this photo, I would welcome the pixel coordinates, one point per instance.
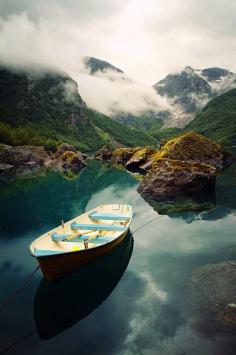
(133, 301)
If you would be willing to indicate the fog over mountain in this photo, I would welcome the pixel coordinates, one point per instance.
(147, 40)
(176, 100)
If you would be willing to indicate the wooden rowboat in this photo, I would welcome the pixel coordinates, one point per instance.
(81, 240)
(61, 304)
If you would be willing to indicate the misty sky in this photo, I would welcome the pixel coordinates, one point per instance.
(146, 38)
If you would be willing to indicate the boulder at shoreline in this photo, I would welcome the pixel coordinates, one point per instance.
(185, 165)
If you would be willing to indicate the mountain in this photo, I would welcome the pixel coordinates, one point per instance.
(95, 65)
(44, 107)
(186, 92)
(148, 120)
(218, 119)
(189, 91)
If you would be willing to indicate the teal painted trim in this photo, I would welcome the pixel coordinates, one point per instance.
(78, 239)
(108, 216)
(100, 240)
(57, 237)
(101, 227)
(93, 240)
(44, 252)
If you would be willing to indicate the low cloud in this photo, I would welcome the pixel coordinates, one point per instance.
(110, 93)
(36, 45)
(224, 84)
(147, 39)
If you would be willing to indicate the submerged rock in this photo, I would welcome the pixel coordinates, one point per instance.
(215, 284)
(214, 291)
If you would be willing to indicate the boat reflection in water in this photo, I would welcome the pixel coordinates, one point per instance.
(83, 291)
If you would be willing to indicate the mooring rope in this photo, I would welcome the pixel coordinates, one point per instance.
(11, 298)
(18, 341)
(143, 225)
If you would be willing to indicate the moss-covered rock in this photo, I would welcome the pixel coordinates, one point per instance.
(68, 156)
(134, 158)
(65, 147)
(122, 155)
(73, 161)
(193, 147)
(140, 157)
(185, 166)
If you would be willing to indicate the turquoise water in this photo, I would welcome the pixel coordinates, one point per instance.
(134, 301)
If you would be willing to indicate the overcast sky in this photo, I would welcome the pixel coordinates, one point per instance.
(146, 38)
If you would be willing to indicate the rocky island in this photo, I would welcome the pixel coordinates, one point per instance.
(183, 170)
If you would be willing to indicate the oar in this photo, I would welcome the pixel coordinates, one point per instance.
(79, 235)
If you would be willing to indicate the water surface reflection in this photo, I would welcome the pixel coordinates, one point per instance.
(146, 311)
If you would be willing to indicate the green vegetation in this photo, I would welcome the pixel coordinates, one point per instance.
(24, 136)
(69, 156)
(118, 132)
(218, 119)
(46, 109)
(190, 147)
(148, 121)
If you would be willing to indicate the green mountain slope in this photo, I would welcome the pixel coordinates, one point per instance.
(44, 107)
(218, 119)
(119, 132)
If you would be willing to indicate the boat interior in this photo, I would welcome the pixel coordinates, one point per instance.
(97, 227)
